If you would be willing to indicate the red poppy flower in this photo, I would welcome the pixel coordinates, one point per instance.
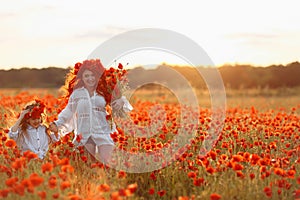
(52, 182)
(67, 168)
(120, 66)
(268, 191)
(30, 155)
(198, 181)
(104, 188)
(215, 196)
(192, 175)
(115, 196)
(297, 194)
(64, 185)
(4, 193)
(11, 181)
(19, 189)
(55, 196)
(10, 143)
(74, 197)
(35, 179)
(279, 171)
(210, 170)
(237, 158)
(47, 167)
(121, 174)
(161, 193)
(237, 166)
(132, 187)
(42, 194)
(151, 191)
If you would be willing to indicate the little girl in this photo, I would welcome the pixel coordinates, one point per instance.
(29, 132)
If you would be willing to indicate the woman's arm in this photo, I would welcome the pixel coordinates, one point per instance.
(120, 107)
(54, 137)
(121, 104)
(64, 121)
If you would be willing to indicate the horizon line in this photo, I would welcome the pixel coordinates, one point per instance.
(165, 63)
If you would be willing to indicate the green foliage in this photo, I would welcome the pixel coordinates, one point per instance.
(234, 77)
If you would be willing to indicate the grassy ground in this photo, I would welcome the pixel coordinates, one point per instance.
(255, 157)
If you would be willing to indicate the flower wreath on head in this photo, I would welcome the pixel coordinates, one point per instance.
(36, 110)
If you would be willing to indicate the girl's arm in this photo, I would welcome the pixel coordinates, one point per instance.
(14, 130)
(15, 127)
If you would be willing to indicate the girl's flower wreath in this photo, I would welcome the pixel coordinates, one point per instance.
(36, 109)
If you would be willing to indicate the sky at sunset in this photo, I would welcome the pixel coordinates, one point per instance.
(62, 32)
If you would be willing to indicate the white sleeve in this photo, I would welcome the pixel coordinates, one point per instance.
(54, 138)
(127, 107)
(13, 134)
(65, 118)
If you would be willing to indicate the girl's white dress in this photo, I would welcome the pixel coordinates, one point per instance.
(86, 116)
(35, 140)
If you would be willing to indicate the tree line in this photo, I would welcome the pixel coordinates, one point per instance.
(234, 76)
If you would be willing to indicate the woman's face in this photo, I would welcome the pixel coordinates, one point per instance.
(89, 79)
(34, 122)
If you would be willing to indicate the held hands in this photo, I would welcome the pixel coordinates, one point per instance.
(53, 127)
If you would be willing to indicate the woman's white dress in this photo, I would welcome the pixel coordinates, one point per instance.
(86, 115)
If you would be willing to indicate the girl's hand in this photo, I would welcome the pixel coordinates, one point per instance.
(23, 113)
(15, 127)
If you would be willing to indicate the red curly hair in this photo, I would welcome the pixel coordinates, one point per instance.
(74, 78)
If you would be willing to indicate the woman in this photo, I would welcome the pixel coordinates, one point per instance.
(85, 112)
(29, 132)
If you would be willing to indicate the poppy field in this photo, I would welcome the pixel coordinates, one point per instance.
(256, 156)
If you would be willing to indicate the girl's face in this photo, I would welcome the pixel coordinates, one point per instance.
(34, 122)
(88, 79)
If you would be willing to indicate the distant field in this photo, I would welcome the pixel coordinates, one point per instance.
(271, 99)
(36, 91)
(262, 99)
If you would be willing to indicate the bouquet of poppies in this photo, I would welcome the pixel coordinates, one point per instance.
(117, 84)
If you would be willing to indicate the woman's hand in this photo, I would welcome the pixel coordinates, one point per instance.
(53, 127)
(117, 104)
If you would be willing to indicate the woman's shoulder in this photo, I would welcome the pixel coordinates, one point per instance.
(81, 89)
(78, 92)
